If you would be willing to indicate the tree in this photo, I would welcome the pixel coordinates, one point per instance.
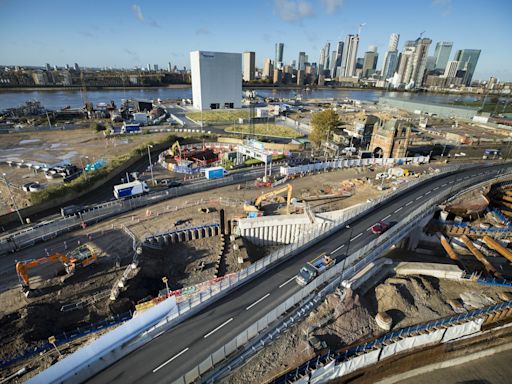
(322, 123)
(98, 126)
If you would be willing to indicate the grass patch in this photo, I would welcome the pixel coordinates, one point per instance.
(216, 116)
(266, 130)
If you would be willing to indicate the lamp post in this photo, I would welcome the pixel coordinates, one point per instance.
(349, 236)
(12, 198)
(151, 165)
(164, 279)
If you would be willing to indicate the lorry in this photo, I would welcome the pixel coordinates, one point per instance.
(314, 268)
(491, 154)
(214, 173)
(134, 188)
(130, 128)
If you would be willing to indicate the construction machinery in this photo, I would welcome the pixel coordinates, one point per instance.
(481, 258)
(176, 149)
(79, 257)
(269, 195)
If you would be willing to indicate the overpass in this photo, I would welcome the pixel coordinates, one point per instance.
(172, 354)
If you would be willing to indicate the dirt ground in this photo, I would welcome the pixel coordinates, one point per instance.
(51, 147)
(339, 322)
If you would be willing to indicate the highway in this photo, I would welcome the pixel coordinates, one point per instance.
(177, 351)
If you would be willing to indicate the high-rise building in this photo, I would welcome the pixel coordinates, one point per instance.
(417, 64)
(76, 67)
(277, 76)
(390, 63)
(148, 67)
(337, 55)
(442, 54)
(405, 64)
(451, 69)
(467, 58)
(278, 60)
(216, 80)
(48, 68)
(169, 67)
(155, 67)
(268, 69)
(393, 42)
(323, 62)
(348, 62)
(249, 65)
(431, 63)
(302, 61)
(370, 62)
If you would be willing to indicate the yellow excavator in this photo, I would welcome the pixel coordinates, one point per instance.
(79, 257)
(257, 204)
(176, 146)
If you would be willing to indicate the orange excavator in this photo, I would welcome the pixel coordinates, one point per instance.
(79, 257)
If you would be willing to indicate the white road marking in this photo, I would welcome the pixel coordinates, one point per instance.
(337, 249)
(444, 185)
(257, 301)
(387, 217)
(398, 210)
(409, 203)
(286, 282)
(367, 229)
(427, 193)
(355, 237)
(436, 188)
(451, 182)
(219, 327)
(171, 359)
(419, 197)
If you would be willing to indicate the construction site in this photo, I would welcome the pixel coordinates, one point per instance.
(104, 273)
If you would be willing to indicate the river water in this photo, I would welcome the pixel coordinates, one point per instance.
(56, 99)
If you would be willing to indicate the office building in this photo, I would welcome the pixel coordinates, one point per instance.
(405, 64)
(268, 69)
(349, 58)
(451, 69)
(390, 57)
(302, 61)
(370, 62)
(216, 80)
(337, 55)
(249, 66)
(278, 76)
(76, 67)
(467, 58)
(169, 67)
(47, 66)
(155, 67)
(442, 54)
(420, 60)
(278, 59)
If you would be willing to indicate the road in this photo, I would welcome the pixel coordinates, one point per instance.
(177, 351)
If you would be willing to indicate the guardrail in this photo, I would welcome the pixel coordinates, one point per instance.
(195, 302)
(355, 262)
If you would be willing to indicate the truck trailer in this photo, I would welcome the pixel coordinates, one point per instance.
(314, 268)
(134, 188)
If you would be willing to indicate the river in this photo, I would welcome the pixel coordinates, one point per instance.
(56, 99)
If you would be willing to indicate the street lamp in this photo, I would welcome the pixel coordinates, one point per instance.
(12, 198)
(151, 165)
(164, 279)
(349, 236)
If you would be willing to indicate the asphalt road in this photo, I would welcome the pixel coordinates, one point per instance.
(177, 351)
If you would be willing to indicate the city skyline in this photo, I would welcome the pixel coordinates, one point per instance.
(126, 34)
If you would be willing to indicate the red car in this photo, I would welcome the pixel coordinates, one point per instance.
(380, 228)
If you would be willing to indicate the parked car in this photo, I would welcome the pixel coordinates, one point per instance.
(71, 210)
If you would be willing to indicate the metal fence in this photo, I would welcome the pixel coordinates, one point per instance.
(343, 270)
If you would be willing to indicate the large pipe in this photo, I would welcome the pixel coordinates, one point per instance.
(481, 258)
(448, 248)
(498, 247)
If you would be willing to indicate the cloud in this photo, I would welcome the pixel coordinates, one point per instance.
(135, 57)
(202, 31)
(331, 6)
(138, 12)
(444, 5)
(293, 10)
(312, 36)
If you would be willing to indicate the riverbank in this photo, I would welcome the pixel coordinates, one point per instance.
(77, 88)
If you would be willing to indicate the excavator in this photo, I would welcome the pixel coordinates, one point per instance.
(79, 257)
(257, 204)
(176, 149)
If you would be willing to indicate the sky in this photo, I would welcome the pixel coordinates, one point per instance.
(125, 34)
